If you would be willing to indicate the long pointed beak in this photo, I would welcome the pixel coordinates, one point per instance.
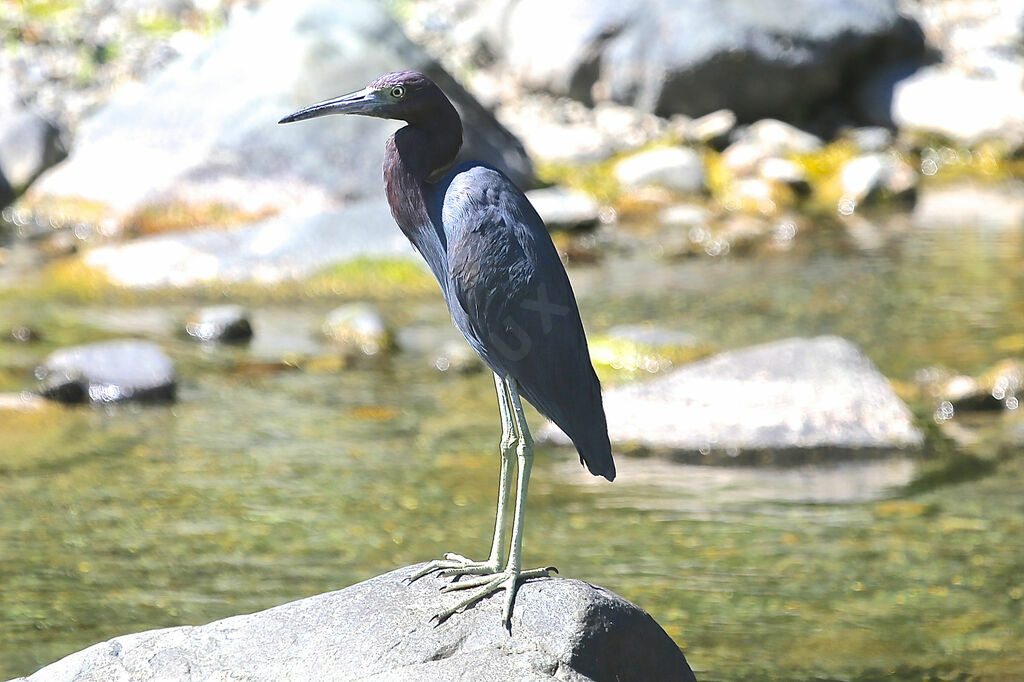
(360, 102)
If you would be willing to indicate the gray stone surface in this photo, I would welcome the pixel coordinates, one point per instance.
(288, 246)
(204, 131)
(778, 57)
(381, 630)
(787, 399)
(107, 372)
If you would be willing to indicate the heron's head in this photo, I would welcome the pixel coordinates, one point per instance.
(403, 95)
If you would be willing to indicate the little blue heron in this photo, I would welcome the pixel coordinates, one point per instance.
(507, 293)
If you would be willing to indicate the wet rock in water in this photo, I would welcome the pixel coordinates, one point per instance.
(228, 323)
(777, 56)
(24, 334)
(869, 177)
(784, 401)
(107, 372)
(1000, 387)
(680, 169)
(381, 629)
(358, 327)
(29, 144)
(565, 209)
(984, 205)
(212, 145)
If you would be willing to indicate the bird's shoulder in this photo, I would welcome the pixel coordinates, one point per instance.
(480, 198)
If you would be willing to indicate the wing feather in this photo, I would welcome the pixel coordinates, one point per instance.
(518, 309)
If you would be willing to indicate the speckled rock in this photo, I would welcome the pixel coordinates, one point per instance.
(108, 372)
(381, 629)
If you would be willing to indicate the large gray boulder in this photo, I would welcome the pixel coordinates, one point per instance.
(778, 57)
(203, 133)
(381, 629)
(784, 401)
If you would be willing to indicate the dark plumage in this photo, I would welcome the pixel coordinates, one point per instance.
(501, 278)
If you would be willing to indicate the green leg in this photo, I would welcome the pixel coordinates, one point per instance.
(456, 564)
(513, 574)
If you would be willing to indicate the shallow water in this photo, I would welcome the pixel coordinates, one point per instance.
(263, 484)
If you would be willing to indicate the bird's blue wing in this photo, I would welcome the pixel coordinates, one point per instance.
(516, 306)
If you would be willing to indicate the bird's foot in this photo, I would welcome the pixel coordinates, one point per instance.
(455, 565)
(507, 580)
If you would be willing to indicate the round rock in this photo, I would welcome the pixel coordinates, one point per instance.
(358, 326)
(227, 323)
(108, 372)
(676, 168)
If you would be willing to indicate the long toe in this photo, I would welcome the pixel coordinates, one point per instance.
(507, 580)
(454, 565)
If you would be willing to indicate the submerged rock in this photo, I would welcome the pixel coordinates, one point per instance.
(229, 323)
(108, 372)
(791, 399)
(381, 629)
(358, 327)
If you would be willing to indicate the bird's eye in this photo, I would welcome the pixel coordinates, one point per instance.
(398, 92)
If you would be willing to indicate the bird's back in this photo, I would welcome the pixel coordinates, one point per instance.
(510, 296)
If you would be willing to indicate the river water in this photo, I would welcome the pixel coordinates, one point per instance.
(262, 484)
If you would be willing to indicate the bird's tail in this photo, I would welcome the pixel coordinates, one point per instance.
(595, 450)
(591, 436)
